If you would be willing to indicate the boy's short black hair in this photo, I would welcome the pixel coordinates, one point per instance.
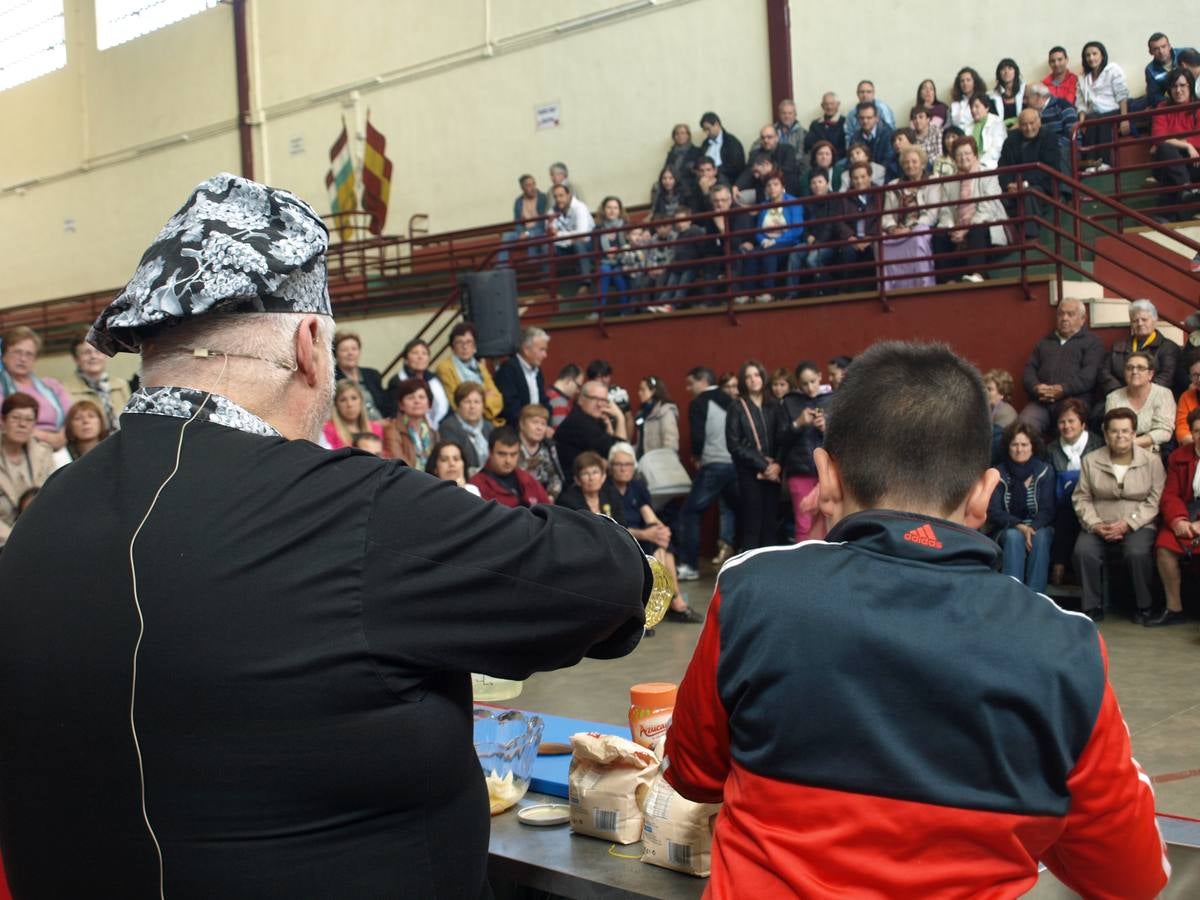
(911, 424)
(505, 435)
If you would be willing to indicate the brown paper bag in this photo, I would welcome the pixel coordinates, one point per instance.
(607, 781)
(677, 833)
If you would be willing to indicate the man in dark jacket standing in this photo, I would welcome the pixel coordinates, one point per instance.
(715, 480)
(898, 633)
(722, 147)
(1065, 363)
(253, 679)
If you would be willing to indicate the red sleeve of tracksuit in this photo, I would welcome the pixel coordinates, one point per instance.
(697, 754)
(1173, 505)
(1111, 845)
(534, 492)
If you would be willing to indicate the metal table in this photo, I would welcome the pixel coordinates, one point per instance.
(552, 858)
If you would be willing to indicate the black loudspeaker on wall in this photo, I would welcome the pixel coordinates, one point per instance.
(489, 302)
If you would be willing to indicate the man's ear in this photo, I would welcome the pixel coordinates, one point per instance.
(829, 477)
(976, 507)
(307, 336)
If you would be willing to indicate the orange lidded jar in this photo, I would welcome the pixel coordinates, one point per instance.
(650, 711)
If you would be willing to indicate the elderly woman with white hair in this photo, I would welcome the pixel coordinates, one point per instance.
(643, 524)
(1144, 337)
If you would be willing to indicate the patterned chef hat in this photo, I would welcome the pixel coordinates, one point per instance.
(235, 246)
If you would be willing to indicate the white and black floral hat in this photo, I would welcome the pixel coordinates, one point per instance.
(236, 246)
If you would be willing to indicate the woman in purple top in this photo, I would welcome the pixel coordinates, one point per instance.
(21, 347)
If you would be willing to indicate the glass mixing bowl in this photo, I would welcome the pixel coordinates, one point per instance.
(506, 741)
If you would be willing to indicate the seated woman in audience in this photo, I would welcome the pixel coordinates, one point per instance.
(1102, 91)
(752, 428)
(668, 194)
(1179, 533)
(927, 99)
(967, 83)
(1021, 511)
(1066, 455)
(446, 462)
(408, 436)
(21, 347)
(683, 155)
(1188, 400)
(802, 424)
(85, 427)
(539, 457)
(781, 383)
(347, 348)
(1144, 337)
(988, 130)
(415, 364)
(349, 417)
(821, 159)
(24, 462)
(999, 387)
(611, 245)
(857, 153)
(467, 427)
(91, 380)
(907, 219)
(463, 365)
(592, 491)
(1184, 152)
(1116, 500)
(657, 420)
(972, 215)
(780, 228)
(944, 165)
(1152, 403)
(1008, 97)
(642, 522)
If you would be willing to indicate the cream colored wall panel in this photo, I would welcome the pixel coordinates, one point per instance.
(37, 144)
(513, 17)
(911, 40)
(116, 212)
(309, 46)
(181, 77)
(458, 142)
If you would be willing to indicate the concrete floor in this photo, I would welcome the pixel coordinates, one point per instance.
(1155, 672)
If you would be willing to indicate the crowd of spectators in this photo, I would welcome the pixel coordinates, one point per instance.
(1100, 463)
(789, 189)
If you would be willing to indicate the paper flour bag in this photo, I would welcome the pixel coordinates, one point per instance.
(677, 833)
(608, 780)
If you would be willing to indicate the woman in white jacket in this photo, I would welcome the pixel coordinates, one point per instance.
(1008, 97)
(975, 216)
(988, 130)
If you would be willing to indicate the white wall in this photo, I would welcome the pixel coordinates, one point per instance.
(452, 85)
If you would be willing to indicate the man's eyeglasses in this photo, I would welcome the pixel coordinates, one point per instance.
(1137, 368)
(598, 399)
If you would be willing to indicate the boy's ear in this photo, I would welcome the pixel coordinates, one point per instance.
(829, 477)
(976, 507)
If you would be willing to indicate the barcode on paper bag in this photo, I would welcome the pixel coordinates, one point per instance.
(679, 854)
(604, 820)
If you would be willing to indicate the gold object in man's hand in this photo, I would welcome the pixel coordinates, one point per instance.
(661, 592)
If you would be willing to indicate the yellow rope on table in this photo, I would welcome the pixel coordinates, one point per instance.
(612, 851)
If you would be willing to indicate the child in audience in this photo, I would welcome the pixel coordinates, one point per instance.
(681, 275)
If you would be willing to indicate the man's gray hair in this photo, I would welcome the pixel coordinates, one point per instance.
(832, 94)
(1037, 89)
(531, 334)
(1143, 305)
(1082, 304)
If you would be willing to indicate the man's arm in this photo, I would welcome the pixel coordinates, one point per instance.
(696, 762)
(697, 416)
(1111, 846)
(1091, 357)
(1031, 379)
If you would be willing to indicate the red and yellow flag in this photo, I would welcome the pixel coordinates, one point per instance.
(377, 178)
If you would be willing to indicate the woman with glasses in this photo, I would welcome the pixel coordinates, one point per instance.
(1152, 403)
(24, 463)
(1183, 150)
(21, 346)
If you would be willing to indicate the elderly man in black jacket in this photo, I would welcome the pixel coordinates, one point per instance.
(254, 678)
(1029, 142)
(1065, 363)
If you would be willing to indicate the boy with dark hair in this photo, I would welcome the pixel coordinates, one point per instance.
(884, 713)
